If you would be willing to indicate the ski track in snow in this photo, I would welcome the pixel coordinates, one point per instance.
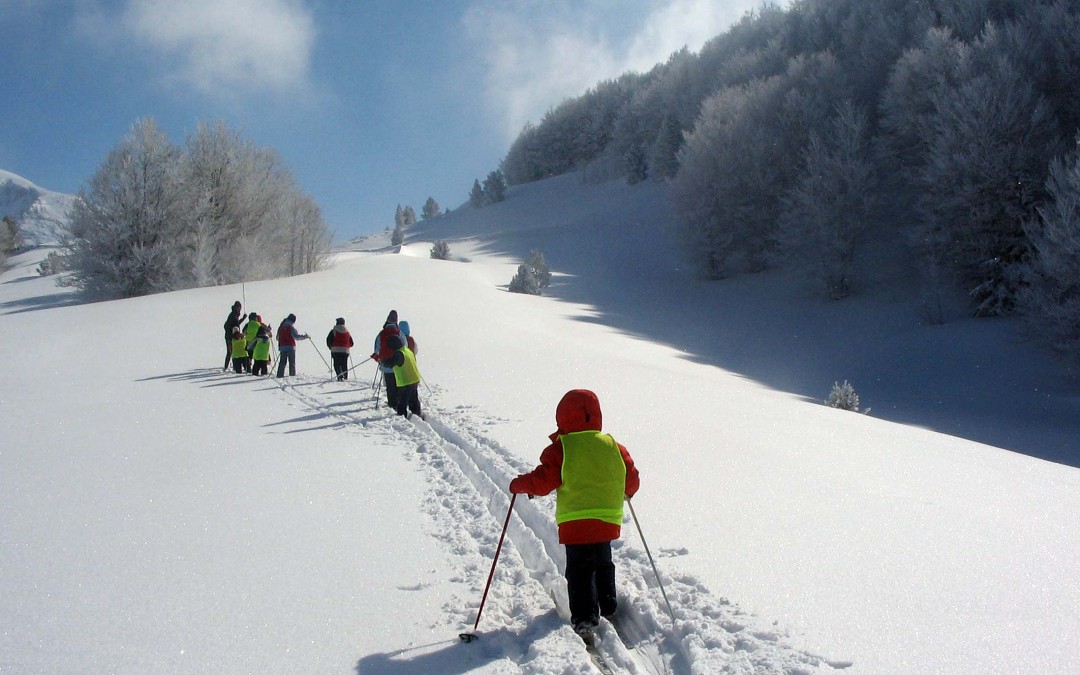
(467, 474)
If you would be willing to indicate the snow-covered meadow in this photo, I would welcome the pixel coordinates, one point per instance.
(160, 516)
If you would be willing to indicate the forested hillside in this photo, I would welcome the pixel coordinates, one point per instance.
(806, 135)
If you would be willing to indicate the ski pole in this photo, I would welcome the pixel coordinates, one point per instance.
(321, 356)
(359, 364)
(648, 553)
(469, 637)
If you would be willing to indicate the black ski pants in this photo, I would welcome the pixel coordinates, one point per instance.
(590, 582)
(408, 400)
(390, 384)
(341, 365)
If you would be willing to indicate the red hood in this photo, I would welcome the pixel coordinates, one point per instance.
(579, 410)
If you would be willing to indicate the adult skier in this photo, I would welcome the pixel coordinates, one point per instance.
(338, 341)
(231, 321)
(383, 352)
(591, 475)
(287, 337)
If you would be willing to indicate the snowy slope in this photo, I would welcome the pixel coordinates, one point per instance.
(158, 515)
(37, 211)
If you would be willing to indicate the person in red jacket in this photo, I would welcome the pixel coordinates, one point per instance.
(338, 341)
(591, 474)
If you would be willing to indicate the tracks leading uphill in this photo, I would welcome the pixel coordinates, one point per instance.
(467, 473)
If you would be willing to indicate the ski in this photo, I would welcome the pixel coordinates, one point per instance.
(591, 639)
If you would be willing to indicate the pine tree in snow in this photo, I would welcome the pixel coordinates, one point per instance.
(431, 209)
(476, 195)
(440, 250)
(843, 396)
(1052, 298)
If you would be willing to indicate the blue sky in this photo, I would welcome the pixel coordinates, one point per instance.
(371, 103)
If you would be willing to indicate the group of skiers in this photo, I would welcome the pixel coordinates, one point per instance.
(248, 348)
(590, 472)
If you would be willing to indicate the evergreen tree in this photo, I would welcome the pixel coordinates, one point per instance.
(1052, 298)
(10, 239)
(525, 281)
(431, 209)
(539, 268)
(495, 187)
(476, 195)
(440, 250)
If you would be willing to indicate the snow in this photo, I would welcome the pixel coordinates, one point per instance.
(160, 516)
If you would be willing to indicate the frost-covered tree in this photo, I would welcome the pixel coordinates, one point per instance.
(121, 239)
(991, 139)
(532, 275)
(525, 281)
(843, 397)
(539, 267)
(431, 209)
(831, 204)
(10, 238)
(476, 195)
(408, 216)
(397, 237)
(399, 217)
(1052, 298)
(740, 160)
(495, 187)
(53, 264)
(637, 169)
(440, 250)
(219, 210)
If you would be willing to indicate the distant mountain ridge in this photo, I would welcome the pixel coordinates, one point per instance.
(39, 212)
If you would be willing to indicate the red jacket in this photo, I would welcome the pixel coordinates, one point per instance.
(579, 410)
(382, 342)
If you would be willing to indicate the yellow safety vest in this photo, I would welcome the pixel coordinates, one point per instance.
(593, 478)
(262, 349)
(239, 348)
(408, 373)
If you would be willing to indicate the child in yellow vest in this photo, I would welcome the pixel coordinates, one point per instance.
(406, 376)
(591, 474)
(240, 362)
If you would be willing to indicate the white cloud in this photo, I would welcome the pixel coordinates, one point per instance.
(227, 47)
(537, 54)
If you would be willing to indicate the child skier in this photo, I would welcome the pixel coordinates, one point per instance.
(240, 361)
(591, 474)
(407, 377)
(260, 352)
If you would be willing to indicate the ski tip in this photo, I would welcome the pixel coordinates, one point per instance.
(468, 637)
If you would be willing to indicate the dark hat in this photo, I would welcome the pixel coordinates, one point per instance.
(340, 321)
(236, 304)
(291, 317)
(253, 316)
(396, 342)
(392, 316)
